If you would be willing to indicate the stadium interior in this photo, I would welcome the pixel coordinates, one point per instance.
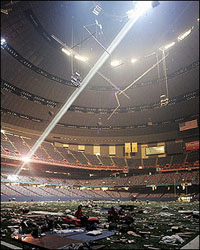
(100, 102)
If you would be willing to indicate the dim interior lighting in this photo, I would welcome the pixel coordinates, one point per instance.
(185, 34)
(168, 46)
(140, 8)
(12, 177)
(133, 60)
(25, 159)
(66, 51)
(3, 41)
(115, 63)
(81, 58)
(65, 107)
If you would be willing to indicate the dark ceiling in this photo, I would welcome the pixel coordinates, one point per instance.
(89, 114)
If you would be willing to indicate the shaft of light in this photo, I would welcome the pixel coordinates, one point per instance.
(84, 83)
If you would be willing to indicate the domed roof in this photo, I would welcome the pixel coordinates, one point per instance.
(38, 77)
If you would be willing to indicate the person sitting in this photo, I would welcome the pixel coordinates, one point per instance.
(113, 215)
(79, 212)
(80, 215)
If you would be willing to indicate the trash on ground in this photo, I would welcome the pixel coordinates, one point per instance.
(172, 239)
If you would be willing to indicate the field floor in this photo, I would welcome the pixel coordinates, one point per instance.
(152, 221)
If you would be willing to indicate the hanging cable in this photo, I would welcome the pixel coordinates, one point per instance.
(72, 58)
(111, 83)
(96, 39)
(147, 71)
(118, 105)
(122, 91)
(165, 73)
(158, 69)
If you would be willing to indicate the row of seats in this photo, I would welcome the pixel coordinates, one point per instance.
(19, 146)
(186, 165)
(30, 191)
(155, 179)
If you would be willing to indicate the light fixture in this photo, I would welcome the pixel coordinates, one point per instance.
(115, 63)
(140, 8)
(25, 159)
(97, 10)
(3, 41)
(76, 79)
(133, 60)
(12, 177)
(164, 100)
(2, 131)
(168, 46)
(185, 34)
(81, 58)
(67, 52)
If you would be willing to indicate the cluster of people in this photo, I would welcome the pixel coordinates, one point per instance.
(113, 216)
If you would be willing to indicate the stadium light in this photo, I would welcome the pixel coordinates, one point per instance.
(12, 177)
(3, 41)
(25, 159)
(140, 8)
(184, 35)
(81, 58)
(76, 79)
(67, 52)
(97, 10)
(166, 47)
(115, 63)
(133, 60)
